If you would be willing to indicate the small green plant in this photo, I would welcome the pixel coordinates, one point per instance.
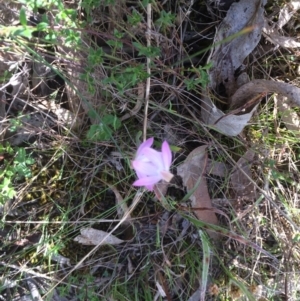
(135, 18)
(21, 164)
(104, 130)
(65, 18)
(7, 191)
(116, 43)
(165, 20)
(201, 77)
(12, 170)
(149, 52)
(126, 79)
(16, 123)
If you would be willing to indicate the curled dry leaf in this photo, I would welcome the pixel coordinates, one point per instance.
(232, 125)
(93, 237)
(258, 86)
(191, 170)
(241, 176)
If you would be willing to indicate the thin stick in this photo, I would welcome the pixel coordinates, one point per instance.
(148, 37)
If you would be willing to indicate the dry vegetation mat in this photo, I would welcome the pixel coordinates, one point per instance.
(149, 150)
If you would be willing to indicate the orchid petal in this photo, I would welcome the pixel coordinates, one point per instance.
(148, 181)
(145, 144)
(144, 168)
(155, 157)
(150, 187)
(166, 155)
(166, 175)
(140, 174)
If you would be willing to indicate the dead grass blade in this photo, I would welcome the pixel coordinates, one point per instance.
(206, 262)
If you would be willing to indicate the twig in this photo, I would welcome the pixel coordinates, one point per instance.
(148, 37)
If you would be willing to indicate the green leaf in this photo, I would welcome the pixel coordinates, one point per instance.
(165, 19)
(11, 193)
(23, 19)
(6, 190)
(10, 173)
(93, 113)
(42, 26)
(147, 51)
(113, 43)
(20, 158)
(99, 132)
(24, 32)
(146, 2)
(112, 120)
(118, 34)
(135, 18)
(175, 148)
(51, 37)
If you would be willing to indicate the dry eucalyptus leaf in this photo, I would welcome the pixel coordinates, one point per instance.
(258, 86)
(227, 57)
(239, 178)
(219, 169)
(191, 170)
(93, 237)
(233, 125)
(230, 125)
(276, 38)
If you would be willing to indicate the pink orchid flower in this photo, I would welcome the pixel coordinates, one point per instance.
(152, 166)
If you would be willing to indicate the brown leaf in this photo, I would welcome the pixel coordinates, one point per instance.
(191, 170)
(241, 176)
